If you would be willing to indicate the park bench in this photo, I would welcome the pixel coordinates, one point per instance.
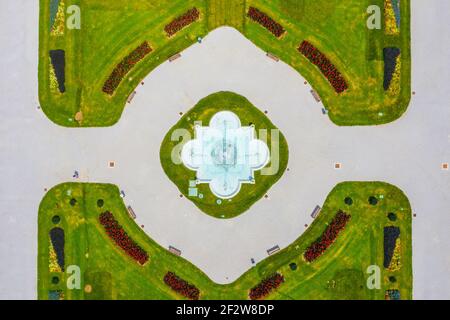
(315, 95)
(273, 57)
(174, 57)
(316, 212)
(131, 212)
(273, 250)
(131, 97)
(175, 251)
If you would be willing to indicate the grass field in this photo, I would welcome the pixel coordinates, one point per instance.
(338, 274)
(112, 29)
(249, 193)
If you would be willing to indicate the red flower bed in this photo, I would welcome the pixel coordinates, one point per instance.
(182, 287)
(330, 234)
(266, 21)
(182, 21)
(121, 238)
(266, 286)
(326, 67)
(125, 66)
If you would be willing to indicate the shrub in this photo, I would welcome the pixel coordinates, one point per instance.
(56, 219)
(100, 203)
(373, 200)
(181, 286)
(121, 70)
(266, 286)
(293, 266)
(392, 216)
(348, 201)
(317, 248)
(326, 67)
(121, 238)
(182, 21)
(73, 202)
(267, 22)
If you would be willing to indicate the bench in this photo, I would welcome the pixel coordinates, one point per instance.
(273, 250)
(131, 212)
(130, 98)
(175, 251)
(316, 212)
(315, 95)
(273, 57)
(174, 57)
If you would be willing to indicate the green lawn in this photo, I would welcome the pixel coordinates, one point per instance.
(339, 274)
(112, 29)
(249, 193)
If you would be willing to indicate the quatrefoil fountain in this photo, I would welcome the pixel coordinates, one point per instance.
(225, 154)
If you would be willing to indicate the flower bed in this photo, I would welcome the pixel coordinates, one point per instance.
(392, 17)
(182, 21)
(53, 11)
(267, 22)
(121, 238)
(57, 17)
(390, 57)
(397, 11)
(266, 286)
(57, 244)
(58, 63)
(395, 85)
(396, 263)
(317, 248)
(54, 87)
(53, 265)
(181, 286)
(55, 295)
(392, 294)
(125, 66)
(391, 234)
(326, 67)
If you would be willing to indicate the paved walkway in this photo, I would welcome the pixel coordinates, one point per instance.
(408, 153)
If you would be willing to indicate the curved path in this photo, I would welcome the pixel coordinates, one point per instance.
(408, 153)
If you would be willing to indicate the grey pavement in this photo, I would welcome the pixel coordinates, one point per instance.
(37, 154)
